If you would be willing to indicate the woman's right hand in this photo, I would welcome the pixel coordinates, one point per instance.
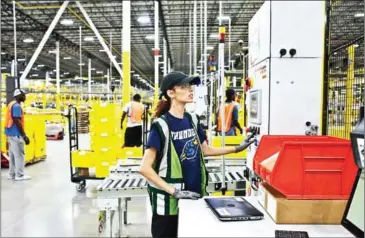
(186, 195)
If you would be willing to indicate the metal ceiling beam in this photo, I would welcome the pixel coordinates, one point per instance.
(163, 23)
(4, 30)
(38, 26)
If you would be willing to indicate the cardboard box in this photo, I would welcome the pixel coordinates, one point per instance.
(83, 171)
(285, 211)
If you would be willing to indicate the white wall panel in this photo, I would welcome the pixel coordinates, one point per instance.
(296, 95)
(299, 25)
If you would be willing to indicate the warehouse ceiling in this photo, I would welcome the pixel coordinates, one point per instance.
(346, 22)
(34, 17)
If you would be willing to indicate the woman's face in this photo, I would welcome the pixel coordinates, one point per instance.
(183, 93)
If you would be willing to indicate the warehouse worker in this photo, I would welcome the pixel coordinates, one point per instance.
(230, 115)
(173, 162)
(14, 130)
(134, 110)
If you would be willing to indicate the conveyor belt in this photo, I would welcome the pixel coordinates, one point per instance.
(126, 181)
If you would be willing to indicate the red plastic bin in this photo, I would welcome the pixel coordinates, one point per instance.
(306, 167)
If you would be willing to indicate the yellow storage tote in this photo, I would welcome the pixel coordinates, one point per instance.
(104, 124)
(130, 152)
(104, 140)
(29, 152)
(102, 168)
(106, 154)
(83, 159)
(40, 140)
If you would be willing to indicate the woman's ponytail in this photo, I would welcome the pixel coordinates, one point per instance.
(163, 106)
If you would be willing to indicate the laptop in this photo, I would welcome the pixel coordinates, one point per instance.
(233, 209)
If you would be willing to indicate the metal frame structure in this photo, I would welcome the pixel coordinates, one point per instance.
(32, 21)
(343, 67)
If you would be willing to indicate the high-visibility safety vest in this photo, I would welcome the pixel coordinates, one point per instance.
(228, 112)
(168, 166)
(9, 118)
(136, 112)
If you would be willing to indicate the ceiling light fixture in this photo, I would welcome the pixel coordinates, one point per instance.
(356, 45)
(3, 67)
(92, 69)
(150, 37)
(143, 19)
(360, 14)
(28, 40)
(89, 38)
(3, 53)
(40, 65)
(67, 58)
(214, 35)
(82, 64)
(102, 50)
(222, 18)
(67, 22)
(209, 47)
(52, 52)
(21, 60)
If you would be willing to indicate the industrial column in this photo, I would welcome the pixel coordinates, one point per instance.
(190, 46)
(349, 90)
(164, 57)
(15, 50)
(194, 39)
(156, 52)
(168, 66)
(89, 79)
(126, 52)
(58, 106)
(201, 40)
(222, 32)
(80, 33)
(205, 66)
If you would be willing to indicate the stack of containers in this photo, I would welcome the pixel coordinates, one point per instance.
(105, 135)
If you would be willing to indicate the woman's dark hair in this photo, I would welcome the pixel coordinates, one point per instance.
(163, 106)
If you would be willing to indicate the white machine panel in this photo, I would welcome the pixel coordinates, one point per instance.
(297, 24)
(296, 91)
(260, 74)
(259, 31)
(290, 88)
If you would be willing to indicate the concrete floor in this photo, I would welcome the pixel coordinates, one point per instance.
(49, 205)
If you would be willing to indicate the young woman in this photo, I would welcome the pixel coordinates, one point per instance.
(173, 162)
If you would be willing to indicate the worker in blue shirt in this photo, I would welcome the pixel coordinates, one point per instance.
(173, 162)
(14, 130)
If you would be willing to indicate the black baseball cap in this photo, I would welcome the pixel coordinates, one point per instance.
(176, 78)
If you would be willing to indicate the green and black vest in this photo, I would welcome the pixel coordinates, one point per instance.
(168, 166)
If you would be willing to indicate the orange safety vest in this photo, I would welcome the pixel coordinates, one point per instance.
(9, 118)
(136, 112)
(228, 112)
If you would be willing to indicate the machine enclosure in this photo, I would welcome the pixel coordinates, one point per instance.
(288, 87)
